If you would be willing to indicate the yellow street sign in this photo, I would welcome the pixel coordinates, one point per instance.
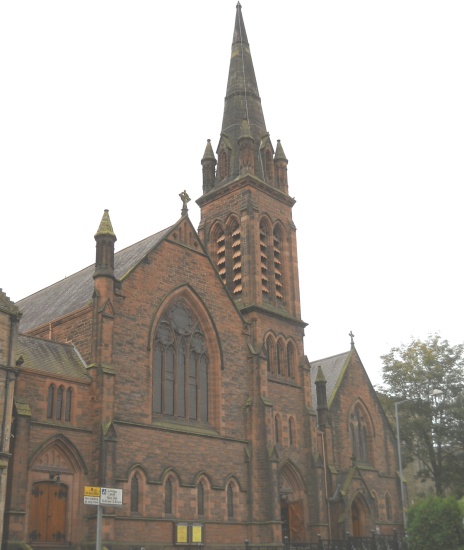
(91, 491)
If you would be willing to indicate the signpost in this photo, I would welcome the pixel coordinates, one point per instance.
(101, 496)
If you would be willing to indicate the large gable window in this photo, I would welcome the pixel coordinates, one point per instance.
(180, 365)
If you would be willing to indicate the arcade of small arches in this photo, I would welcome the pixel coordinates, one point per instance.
(281, 357)
(291, 439)
(59, 402)
(173, 494)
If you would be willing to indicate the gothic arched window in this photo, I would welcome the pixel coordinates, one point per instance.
(223, 165)
(168, 497)
(230, 501)
(280, 357)
(201, 499)
(67, 412)
(277, 429)
(388, 507)
(134, 494)
(359, 434)
(291, 432)
(270, 354)
(290, 360)
(180, 365)
(59, 402)
(50, 400)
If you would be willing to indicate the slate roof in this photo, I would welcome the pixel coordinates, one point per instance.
(52, 358)
(332, 368)
(75, 291)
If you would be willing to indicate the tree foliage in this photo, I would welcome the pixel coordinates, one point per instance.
(429, 376)
(435, 524)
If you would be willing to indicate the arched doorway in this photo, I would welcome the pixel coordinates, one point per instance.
(292, 504)
(360, 517)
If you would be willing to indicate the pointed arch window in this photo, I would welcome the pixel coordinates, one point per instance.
(50, 400)
(59, 402)
(168, 497)
(201, 499)
(134, 494)
(388, 507)
(359, 435)
(291, 432)
(67, 412)
(277, 429)
(280, 357)
(180, 365)
(223, 165)
(270, 353)
(230, 501)
(290, 361)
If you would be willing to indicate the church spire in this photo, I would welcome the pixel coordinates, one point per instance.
(242, 101)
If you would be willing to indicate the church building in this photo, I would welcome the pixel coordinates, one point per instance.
(174, 370)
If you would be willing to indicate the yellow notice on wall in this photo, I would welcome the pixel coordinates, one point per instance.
(182, 533)
(197, 533)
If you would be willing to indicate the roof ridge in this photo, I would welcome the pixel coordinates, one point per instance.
(329, 357)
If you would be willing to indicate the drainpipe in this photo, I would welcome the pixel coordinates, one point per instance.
(326, 485)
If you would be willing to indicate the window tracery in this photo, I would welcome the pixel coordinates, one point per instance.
(359, 434)
(180, 365)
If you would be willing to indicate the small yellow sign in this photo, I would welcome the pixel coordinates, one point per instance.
(91, 491)
(181, 533)
(197, 533)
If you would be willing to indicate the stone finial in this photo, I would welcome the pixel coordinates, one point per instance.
(185, 199)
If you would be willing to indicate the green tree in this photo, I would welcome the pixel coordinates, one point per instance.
(430, 376)
(435, 524)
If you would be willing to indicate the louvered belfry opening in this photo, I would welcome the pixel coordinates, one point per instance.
(277, 249)
(220, 239)
(236, 259)
(263, 246)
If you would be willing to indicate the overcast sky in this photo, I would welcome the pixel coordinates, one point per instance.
(108, 104)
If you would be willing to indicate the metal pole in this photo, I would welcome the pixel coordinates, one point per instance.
(99, 527)
(399, 459)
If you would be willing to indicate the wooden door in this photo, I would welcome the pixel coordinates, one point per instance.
(47, 521)
(296, 521)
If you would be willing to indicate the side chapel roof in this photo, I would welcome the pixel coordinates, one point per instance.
(51, 358)
(333, 368)
(75, 291)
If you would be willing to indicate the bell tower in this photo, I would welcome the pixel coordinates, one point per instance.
(246, 212)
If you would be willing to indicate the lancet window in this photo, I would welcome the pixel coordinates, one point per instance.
(180, 365)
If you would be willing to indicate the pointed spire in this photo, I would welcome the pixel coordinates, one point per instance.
(105, 237)
(105, 227)
(242, 101)
(279, 154)
(208, 163)
(280, 168)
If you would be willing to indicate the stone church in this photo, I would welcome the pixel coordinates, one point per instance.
(175, 370)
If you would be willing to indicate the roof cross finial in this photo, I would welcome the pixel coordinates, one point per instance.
(185, 199)
(351, 335)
